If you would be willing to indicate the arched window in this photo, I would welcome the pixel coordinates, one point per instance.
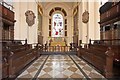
(61, 30)
(57, 25)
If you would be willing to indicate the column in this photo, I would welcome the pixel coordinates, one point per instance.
(84, 25)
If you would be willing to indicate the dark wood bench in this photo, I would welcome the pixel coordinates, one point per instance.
(15, 57)
(19, 57)
(115, 49)
(96, 56)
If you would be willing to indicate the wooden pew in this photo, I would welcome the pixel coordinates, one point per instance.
(94, 57)
(4, 66)
(15, 57)
(97, 56)
(19, 57)
(115, 49)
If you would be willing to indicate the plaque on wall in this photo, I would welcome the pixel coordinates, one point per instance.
(85, 17)
(30, 17)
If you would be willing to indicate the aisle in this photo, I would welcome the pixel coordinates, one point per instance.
(60, 66)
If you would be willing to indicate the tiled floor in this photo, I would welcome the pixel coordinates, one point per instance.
(31, 71)
(89, 71)
(60, 66)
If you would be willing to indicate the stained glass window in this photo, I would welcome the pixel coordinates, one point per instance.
(57, 25)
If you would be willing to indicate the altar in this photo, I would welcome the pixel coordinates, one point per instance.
(57, 41)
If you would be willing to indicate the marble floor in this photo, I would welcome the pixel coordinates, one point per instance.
(60, 66)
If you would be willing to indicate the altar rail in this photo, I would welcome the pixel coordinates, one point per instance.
(57, 48)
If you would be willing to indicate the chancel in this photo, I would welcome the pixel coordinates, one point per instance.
(59, 39)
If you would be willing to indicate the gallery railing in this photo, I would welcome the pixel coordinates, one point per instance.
(6, 4)
(105, 42)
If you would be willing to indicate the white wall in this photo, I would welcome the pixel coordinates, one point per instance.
(82, 26)
(94, 18)
(22, 30)
(90, 30)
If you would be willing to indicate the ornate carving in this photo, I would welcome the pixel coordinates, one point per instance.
(30, 17)
(85, 17)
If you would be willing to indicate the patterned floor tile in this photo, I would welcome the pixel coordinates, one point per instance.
(60, 66)
(89, 70)
(68, 72)
(33, 68)
(47, 69)
(70, 64)
(36, 64)
(61, 75)
(45, 76)
(42, 73)
(53, 73)
(24, 73)
(81, 63)
(33, 73)
(30, 70)
(60, 69)
(75, 75)
(73, 69)
(94, 75)
(26, 76)
(78, 72)
(49, 64)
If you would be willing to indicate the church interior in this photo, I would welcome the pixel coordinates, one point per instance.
(66, 39)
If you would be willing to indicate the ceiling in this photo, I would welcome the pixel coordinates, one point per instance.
(44, 4)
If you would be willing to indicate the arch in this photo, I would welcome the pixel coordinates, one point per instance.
(50, 5)
(57, 9)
